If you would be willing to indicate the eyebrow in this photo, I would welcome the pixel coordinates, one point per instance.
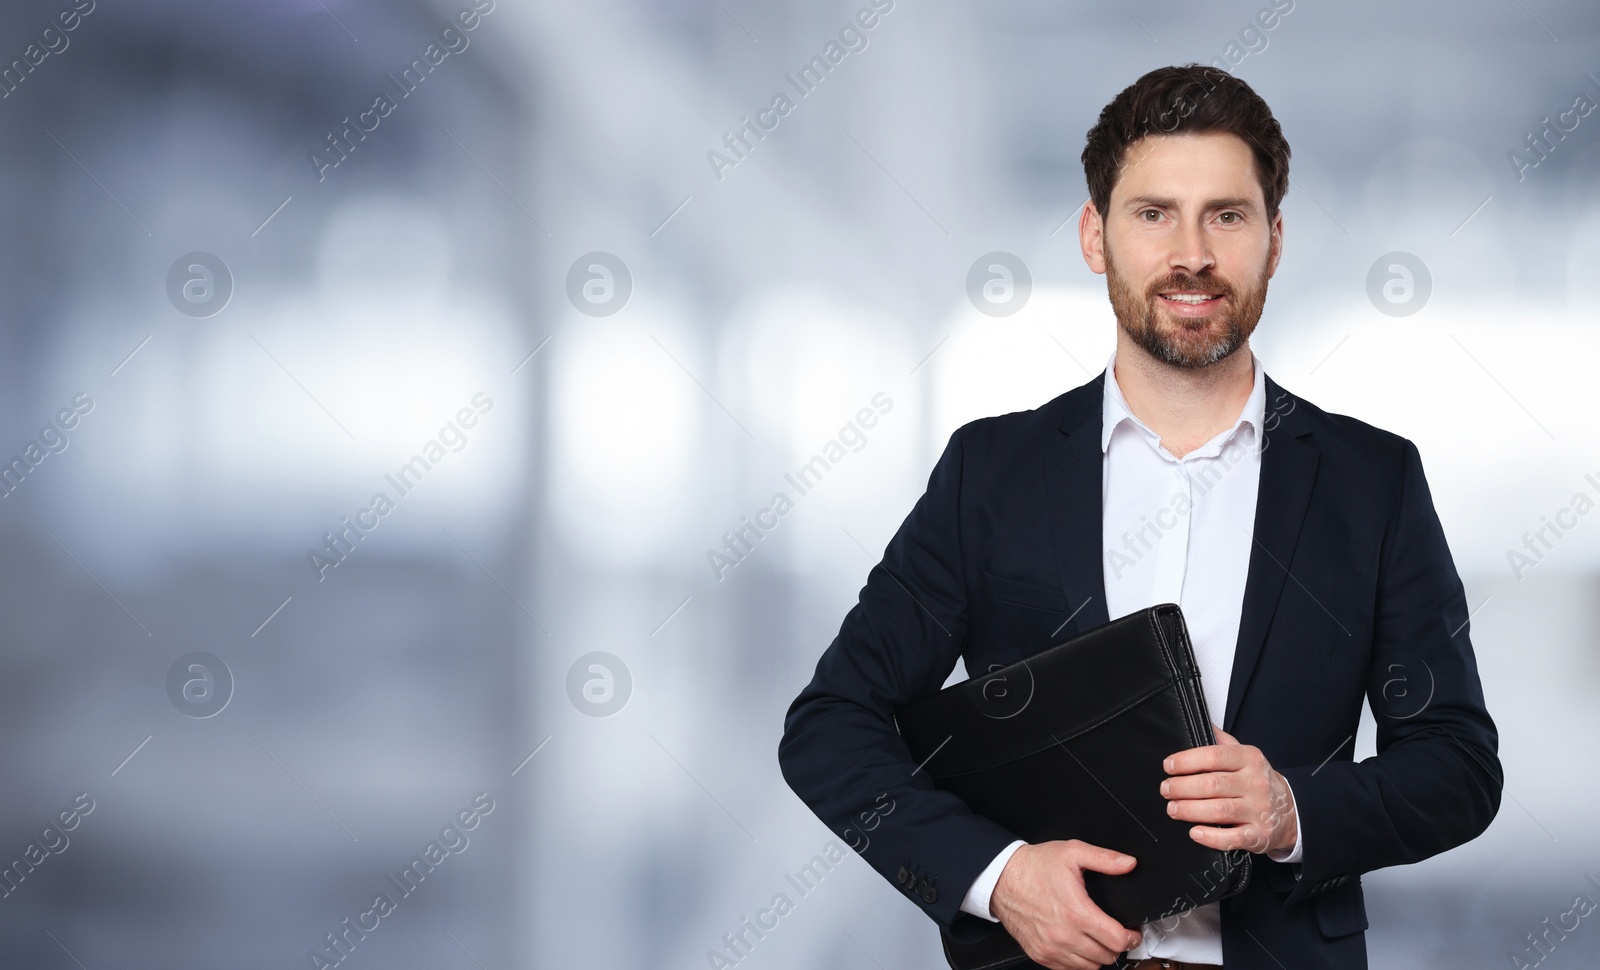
(1140, 201)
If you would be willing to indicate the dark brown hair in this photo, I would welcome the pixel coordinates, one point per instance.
(1189, 99)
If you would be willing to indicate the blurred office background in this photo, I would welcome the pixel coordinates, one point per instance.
(621, 346)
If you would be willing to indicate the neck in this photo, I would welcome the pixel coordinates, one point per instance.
(1186, 406)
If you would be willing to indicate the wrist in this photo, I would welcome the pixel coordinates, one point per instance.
(1285, 830)
(1000, 897)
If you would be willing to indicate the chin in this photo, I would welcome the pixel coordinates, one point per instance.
(1195, 347)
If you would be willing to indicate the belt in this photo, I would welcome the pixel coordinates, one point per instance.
(1157, 963)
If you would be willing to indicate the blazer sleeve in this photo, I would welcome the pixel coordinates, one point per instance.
(1436, 779)
(841, 752)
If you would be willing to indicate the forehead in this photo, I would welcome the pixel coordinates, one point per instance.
(1188, 165)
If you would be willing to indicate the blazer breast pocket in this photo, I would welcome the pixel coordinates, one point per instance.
(1024, 594)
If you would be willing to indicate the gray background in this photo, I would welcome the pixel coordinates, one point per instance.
(767, 307)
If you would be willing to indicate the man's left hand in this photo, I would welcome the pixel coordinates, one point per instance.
(1228, 787)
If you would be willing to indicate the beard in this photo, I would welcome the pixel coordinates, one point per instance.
(1189, 342)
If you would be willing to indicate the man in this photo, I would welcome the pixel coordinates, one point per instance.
(1303, 547)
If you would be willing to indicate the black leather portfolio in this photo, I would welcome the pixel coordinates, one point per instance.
(1068, 744)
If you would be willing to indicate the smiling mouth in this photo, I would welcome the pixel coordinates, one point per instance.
(1191, 299)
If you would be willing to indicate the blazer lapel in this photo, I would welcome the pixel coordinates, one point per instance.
(1074, 482)
(1288, 468)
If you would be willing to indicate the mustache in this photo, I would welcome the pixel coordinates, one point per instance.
(1183, 282)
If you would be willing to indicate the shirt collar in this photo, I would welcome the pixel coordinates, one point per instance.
(1114, 408)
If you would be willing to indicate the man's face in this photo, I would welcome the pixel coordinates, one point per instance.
(1193, 248)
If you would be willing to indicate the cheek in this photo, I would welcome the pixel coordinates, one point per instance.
(1137, 259)
(1245, 265)
(1134, 286)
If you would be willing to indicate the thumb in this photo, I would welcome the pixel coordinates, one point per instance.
(1223, 737)
(1098, 859)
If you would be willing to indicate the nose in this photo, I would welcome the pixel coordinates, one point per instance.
(1191, 248)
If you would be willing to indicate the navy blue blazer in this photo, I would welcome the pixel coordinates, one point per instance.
(1351, 593)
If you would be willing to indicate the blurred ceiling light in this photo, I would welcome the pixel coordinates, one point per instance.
(810, 362)
(624, 435)
(990, 365)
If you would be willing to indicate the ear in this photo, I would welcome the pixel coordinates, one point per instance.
(1275, 250)
(1091, 237)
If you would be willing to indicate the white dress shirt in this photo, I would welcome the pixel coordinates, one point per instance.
(1161, 514)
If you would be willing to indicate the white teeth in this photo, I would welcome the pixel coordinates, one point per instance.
(1188, 298)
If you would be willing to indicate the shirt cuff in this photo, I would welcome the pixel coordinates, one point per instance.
(1291, 855)
(976, 901)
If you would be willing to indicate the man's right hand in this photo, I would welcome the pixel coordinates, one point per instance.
(1041, 901)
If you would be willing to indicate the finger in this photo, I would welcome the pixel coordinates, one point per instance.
(1094, 952)
(1071, 960)
(1065, 958)
(1210, 757)
(1080, 945)
(1212, 811)
(1223, 737)
(1097, 926)
(1208, 784)
(1109, 861)
(1055, 956)
(1246, 837)
(1107, 933)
